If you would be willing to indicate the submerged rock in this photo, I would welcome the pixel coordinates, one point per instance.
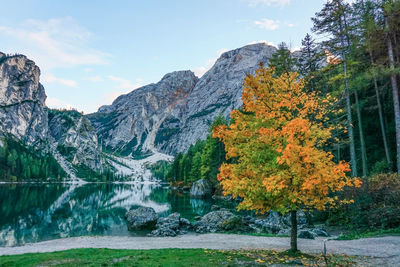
(201, 189)
(141, 218)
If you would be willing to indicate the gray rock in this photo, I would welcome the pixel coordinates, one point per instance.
(201, 189)
(185, 222)
(307, 234)
(141, 218)
(284, 231)
(215, 207)
(272, 224)
(320, 232)
(171, 226)
(301, 219)
(220, 220)
(163, 232)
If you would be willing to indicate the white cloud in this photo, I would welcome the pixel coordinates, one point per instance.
(53, 102)
(280, 3)
(51, 78)
(54, 43)
(96, 79)
(123, 86)
(199, 71)
(290, 25)
(268, 24)
(124, 83)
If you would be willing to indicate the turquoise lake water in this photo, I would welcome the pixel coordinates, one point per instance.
(37, 212)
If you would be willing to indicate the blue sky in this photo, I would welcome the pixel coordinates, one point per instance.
(92, 51)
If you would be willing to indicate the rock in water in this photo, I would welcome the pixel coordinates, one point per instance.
(141, 218)
(201, 189)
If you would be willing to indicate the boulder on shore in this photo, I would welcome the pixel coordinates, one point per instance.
(172, 225)
(220, 220)
(273, 224)
(201, 189)
(141, 218)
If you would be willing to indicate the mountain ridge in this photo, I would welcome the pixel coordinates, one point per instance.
(158, 119)
(185, 121)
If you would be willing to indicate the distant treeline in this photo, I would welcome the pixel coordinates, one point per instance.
(21, 162)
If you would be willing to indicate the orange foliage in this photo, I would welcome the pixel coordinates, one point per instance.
(274, 147)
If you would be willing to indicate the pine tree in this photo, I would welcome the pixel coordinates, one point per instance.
(330, 20)
(283, 60)
(308, 60)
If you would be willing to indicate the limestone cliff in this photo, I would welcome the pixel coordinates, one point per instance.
(174, 113)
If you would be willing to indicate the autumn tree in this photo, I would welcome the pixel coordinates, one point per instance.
(274, 149)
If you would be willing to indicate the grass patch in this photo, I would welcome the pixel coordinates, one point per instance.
(377, 233)
(169, 257)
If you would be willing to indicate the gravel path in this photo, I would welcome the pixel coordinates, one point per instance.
(385, 249)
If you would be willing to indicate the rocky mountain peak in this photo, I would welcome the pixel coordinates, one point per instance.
(22, 99)
(174, 113)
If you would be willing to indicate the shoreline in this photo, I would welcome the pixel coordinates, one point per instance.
(381, 247)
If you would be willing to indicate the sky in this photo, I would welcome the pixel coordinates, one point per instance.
(90, 52)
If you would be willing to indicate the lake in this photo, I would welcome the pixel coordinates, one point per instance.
(37, 212)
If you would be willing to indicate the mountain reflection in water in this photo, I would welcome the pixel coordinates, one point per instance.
(37, 212)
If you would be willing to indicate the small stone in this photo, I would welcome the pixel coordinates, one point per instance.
(306, 234)
(320, 232)
(215, 207)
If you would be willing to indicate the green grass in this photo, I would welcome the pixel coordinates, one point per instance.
(377, 233)
(168, 257)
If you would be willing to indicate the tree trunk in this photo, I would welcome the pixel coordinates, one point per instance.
(360, 128)
(395, 92)
(353, 158)
(293, 233)
(380, 113)
(343, 35)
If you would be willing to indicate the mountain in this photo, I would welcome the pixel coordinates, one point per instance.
(157, 119)
(22, 100)
(66, 135)
(131, 124)
(174, 113)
